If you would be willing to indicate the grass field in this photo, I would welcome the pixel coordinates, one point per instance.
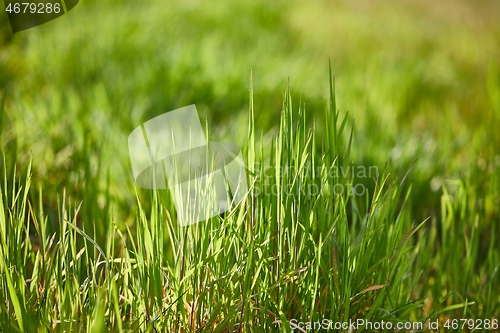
(371, 136)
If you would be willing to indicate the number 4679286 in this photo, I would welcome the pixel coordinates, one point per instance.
(33, 8)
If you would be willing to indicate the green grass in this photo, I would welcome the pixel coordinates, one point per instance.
(279, 255)
(417, 97)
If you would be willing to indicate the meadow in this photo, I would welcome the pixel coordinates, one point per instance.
(371, 136)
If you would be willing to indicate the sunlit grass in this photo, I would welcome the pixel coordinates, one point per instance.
(418, 89)
(280, 255)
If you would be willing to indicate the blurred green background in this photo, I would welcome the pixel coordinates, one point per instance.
(420, 78)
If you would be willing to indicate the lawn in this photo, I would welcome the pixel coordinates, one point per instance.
(370, 135)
